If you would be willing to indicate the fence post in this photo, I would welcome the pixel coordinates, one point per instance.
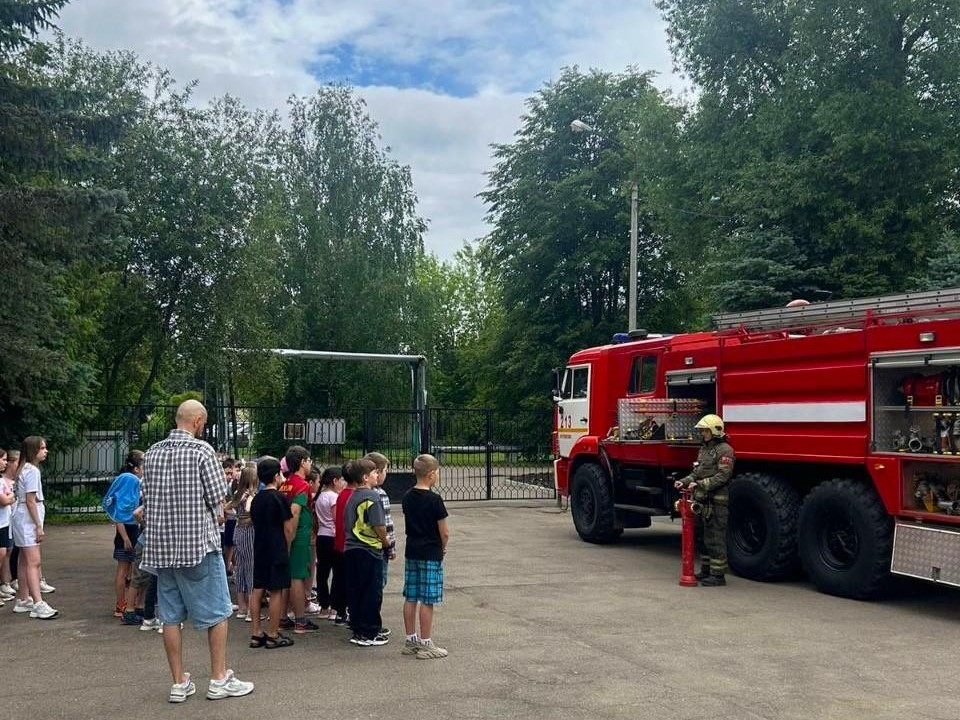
(489, 450)
(367, 430)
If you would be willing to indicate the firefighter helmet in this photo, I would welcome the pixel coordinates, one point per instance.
(713, 423)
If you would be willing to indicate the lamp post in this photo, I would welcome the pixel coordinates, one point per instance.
(578, 126)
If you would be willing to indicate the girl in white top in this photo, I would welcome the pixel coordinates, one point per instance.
(27, 527)
(331, 483)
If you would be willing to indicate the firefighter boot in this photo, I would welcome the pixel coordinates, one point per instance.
(713, 581)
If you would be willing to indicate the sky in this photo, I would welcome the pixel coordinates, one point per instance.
(443, 78)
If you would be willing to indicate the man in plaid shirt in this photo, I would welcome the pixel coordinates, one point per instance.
(184, 486)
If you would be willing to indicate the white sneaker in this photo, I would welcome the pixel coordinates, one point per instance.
(230, 686)
(42, 611)
(23, 606)
(7, 589)
(181, 691)
(15, 584)
(46, 587)
(312, 609)
(151, 624)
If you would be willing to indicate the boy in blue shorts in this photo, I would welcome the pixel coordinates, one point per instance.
(425, 518)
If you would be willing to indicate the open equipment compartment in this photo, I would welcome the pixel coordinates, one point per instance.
(916, 412)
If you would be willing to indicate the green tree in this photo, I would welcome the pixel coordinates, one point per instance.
(559, 204)
(829, 123)
(56, 227)
(347, 249)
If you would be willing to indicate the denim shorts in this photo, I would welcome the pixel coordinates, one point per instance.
(199, 593)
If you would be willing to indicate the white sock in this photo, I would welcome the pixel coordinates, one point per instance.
(412, 638)
(424, 641)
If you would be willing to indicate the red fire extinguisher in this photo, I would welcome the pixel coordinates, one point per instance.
(687, 576)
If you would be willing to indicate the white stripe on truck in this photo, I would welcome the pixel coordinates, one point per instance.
(804, 412)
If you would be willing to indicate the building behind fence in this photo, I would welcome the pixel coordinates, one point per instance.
(485, 454)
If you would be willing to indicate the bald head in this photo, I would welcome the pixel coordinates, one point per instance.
(191, 416)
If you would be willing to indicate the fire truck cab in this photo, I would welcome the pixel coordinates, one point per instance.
(845, 417)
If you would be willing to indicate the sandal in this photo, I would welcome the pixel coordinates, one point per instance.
(258, 641)
(280, 641)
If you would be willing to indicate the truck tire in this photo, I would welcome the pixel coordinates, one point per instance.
(846, 539)
(591, 505)
(762, 527)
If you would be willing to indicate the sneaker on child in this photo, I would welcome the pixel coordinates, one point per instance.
(46, 587)
(410, 646)
(151, 624)
(23, 606)
(429, 651)
(229, 686)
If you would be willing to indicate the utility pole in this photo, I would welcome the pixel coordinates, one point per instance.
(632, 300)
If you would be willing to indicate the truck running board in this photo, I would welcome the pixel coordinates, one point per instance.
(928, 553)
(836, 311)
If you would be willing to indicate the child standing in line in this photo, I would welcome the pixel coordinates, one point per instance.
(243, 542)
(425, 519)
(274, 527)
(297, 491)
(366, 535)
(325, 507)
(390, 550)
(353, 476)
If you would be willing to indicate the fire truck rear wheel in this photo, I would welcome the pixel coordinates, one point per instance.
(591, 505)
(762, 528)
(846, 539)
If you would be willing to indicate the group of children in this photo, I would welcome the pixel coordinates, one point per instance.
(347, 511)
(308, 545)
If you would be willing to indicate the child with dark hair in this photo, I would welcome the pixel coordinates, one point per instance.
(325, 508)
(353, 476)
(297, 491)
(274, 527)
(122, 499)
(366, 536)
(231, 474)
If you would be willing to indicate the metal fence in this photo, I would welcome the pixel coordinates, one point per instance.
(485, 454)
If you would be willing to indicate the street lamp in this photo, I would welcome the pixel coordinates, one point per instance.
(578, 126)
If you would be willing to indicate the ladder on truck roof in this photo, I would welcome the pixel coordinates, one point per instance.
(836, 311)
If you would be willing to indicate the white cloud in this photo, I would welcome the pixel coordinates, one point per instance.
(494, 54)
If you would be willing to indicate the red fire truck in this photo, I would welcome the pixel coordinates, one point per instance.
(845, 417)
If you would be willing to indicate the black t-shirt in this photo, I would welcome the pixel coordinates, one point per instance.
(269, 510)
(421, 511)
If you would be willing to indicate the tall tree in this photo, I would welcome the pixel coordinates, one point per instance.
(559, 204)
(56, 223)
(347, 251)
(829, 123)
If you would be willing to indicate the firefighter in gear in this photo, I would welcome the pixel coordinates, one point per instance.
(708, 481)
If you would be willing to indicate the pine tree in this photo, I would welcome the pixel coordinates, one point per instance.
(56, 225)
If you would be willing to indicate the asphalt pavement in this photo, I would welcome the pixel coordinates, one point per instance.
(538, 625)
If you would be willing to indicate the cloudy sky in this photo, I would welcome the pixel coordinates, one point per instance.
(443, 78)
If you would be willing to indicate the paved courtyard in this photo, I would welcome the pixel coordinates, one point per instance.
(538, 624)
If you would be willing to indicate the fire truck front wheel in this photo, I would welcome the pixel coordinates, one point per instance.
(846, 539)
(762, 529)
(591, 505)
